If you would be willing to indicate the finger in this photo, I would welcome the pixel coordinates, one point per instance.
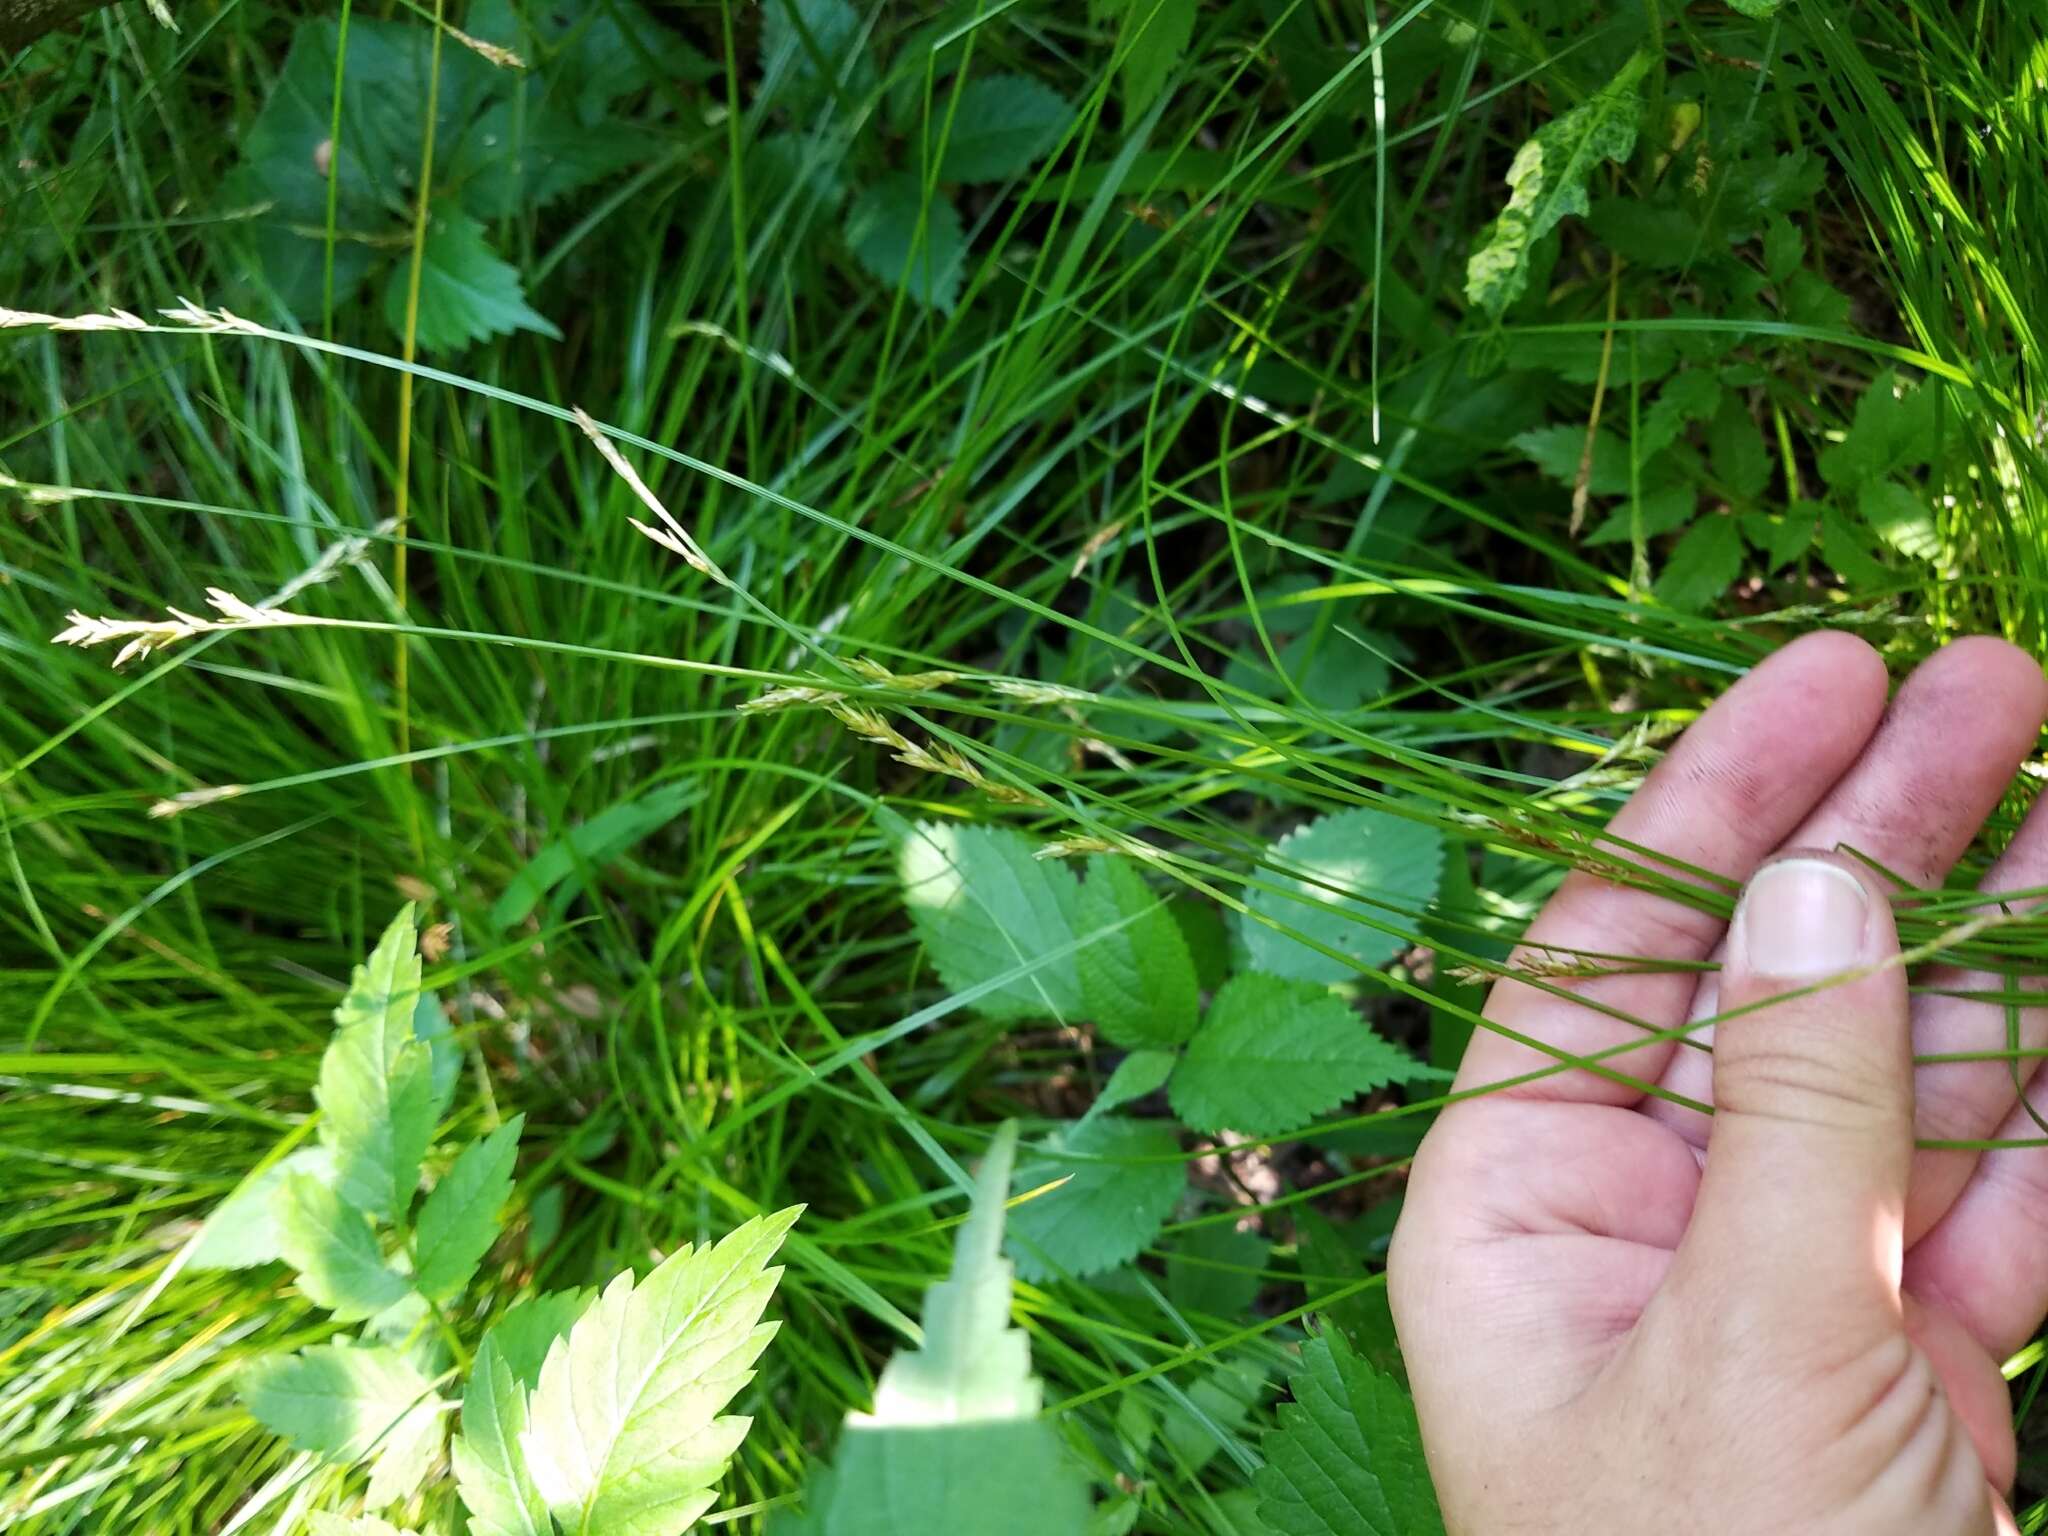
(1804, 1188)
(1746, 773)
(1986, 1259)
(1938, 765)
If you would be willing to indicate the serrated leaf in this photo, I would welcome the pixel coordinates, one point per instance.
(528, 1330)
(1842, 545)
(1332, 872)
(1558, 450)
(623, 1437)
(1702, 566)
(1547, 182)
(490, 1468)
(973, 1366)
(1779, 539)
(1001, 126)
(431, 1028)
(459, 1220)
(1138, 1074)
(907, 242)
(983, 906)
(1655, 235)
(1347, 1457)
(335, 1400)
(1137, 979)
(1214, 1270)
(1123, 1179)
(1783, 248)
(1157, 34)
(468, 292)
(1693, 395)
(1893, 429)
(1656, 514)
(1735, 445)
(407, 1455)
(245, 1228)
(330, 1245)
(596, 843)
(1002, 1478)
(1900, 517)
(811, 51)
(1273, 1054)
(376, 1115)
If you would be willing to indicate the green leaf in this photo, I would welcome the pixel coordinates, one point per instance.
(337, 1400)
(1735, 445)
(1333, 871)
(1347, 1457)
(468, 292)
(459, 1220)
(1900, 518)
(1783, 248)
(1137, 980)
(527, 1331)
(1156, 35)
(323, 1523)
(330, 1245)
(1218, 1407)
(910, 244)
(622, 1438)
(811, 51)
(1779, 539)
(376, 1081)
(1111, 1205)
(1214, 1270)
(1657, 513)
(983, 905)
(490, 1469)
(1547, 182)
(1138, 1074)
(246, 1228)
(1273, 1054)
(1002, 1478)
(431, 1028)
(1654, 235)
(560, 863)
(1001, 126)
(973, 1366)
(408, 1454)
(1842, 546)
(1693, 395)
(1706, 561)
(1756, 10)
(1558, 450)
(1894, 429)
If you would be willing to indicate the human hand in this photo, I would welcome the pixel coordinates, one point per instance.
(1620, 1314)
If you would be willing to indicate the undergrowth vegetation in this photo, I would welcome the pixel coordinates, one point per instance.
(898, 590)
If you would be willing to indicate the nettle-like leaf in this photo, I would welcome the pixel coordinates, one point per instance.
(459, 1220)
(376, 1091)
(1347, 1457)
(1547, 182)
(1137, 978)
(246, 1229)
(1122, 1181)
(467, 291)
(983, 906)
(1703, 565)
(490, 1468)
(338, 1401)
(1330, 873)
(1156, 35)
(908, 241)
(330, 1244)
(955, 1446)
(1273, 1054)
(1138, 1074)
(1901, 517)
(623, 1436)
(1000, 127)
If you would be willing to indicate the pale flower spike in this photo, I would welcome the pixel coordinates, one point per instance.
(146, 635)
(672, 535)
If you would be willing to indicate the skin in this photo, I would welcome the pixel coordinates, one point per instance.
(1619, 1314)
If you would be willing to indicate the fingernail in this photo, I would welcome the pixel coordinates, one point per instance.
(1803, 917)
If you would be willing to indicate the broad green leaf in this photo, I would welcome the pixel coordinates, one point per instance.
(468, 292)
(245, 1229)
(1895, 428)
(1660, 236)
(1779, 539)
(1122, 1181)
(1329, 874)
(401, 1463)
(459, 1220)
(1155, 35)
(983, 906)
(1211, 1420)
(1558, 452)
(811, 52)
(527, 1331)
(376, 1081)
(622, 1435)
(1783, 248)
(1703, 564)
(331, 1246)
(1137, 979)
(1844, 545)
(1547, 182)
(1001, 126)
(1657, 513)
(1138, 1074)
(1273, 1054)
(336, 1400)
(1736, 446)
(1693, 395)
(1214, 1270)
(385, 989)
(593, 845)
(1347, 1457)
(998, 1478)
(1900, 517)
(490, 1468)
(908, 242)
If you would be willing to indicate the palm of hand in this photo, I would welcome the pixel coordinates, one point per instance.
(1604, 1325)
